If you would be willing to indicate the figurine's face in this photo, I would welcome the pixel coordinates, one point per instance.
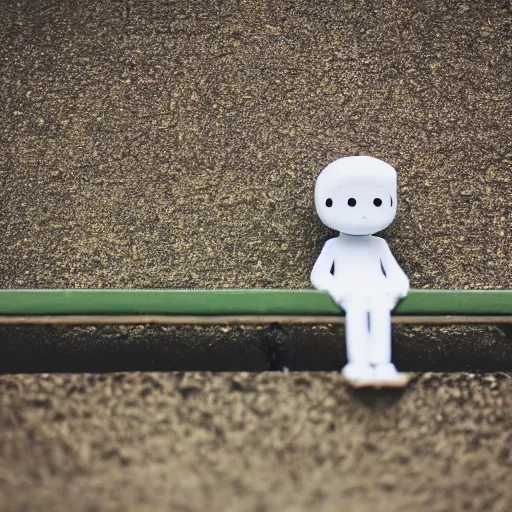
(356, 209)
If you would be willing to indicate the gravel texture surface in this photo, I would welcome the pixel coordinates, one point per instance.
(248, 442)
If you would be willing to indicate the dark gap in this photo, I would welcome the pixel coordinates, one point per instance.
(383, 269)
(332, 268)
(53, 349)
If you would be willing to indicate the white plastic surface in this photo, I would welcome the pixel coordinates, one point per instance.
(357, 196)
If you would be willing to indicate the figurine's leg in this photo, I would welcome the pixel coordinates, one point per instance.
(380, 337)
(356, 333)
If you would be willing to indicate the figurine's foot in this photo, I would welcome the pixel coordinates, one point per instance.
(386, 372)
(382, 376)
(358, 372)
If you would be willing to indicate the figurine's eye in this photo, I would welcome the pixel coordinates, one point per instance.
(328, 203)
(352, 202)
(377, 201)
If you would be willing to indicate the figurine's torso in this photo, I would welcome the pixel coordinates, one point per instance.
(358, 264)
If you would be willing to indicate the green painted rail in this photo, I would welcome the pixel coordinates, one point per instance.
(238, 302)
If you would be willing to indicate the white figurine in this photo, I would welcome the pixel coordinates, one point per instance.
(357, 196)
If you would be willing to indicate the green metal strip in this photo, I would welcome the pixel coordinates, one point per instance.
(238, 302)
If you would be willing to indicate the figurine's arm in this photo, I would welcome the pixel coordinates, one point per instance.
(395, 275)
(321, 277)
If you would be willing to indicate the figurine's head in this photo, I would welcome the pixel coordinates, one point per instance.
(356, 195)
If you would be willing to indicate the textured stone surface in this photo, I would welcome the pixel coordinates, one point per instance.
(253, 442)
(175, 144)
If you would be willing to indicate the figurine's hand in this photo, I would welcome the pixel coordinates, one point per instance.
(320, 283)
(401, 291)
(337, 295)
(405, 289)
